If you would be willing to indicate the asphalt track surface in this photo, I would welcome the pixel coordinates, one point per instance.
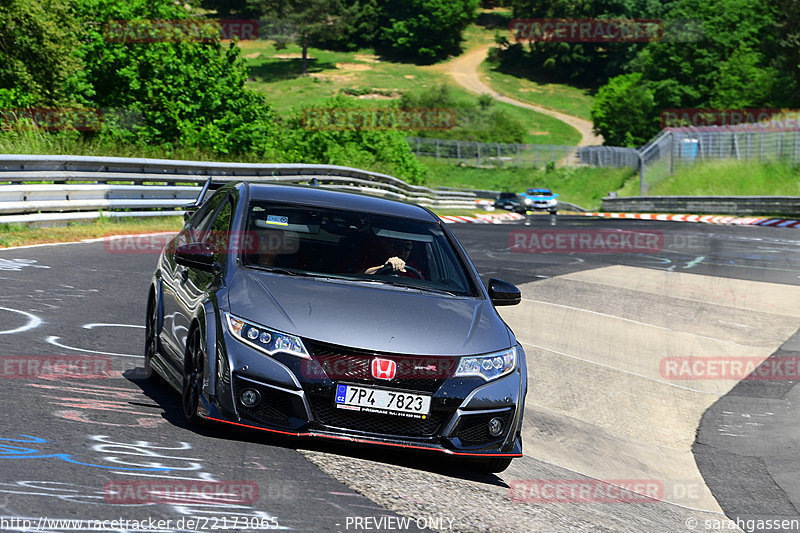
(64, 442)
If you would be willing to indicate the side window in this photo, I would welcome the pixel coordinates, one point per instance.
(201, 220)
(207, 210)
(218, 232)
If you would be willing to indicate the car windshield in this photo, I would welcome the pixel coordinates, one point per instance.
(540, 192)
(324, 242)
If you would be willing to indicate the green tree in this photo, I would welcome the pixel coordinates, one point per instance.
(582, 63)
(359, 28)
(228, 8)
(729, 66)
(315, 20)
(187, 92)
(424, 30)
(623, 111)
(38, 61)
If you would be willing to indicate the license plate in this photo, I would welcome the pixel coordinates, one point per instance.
(369, 400)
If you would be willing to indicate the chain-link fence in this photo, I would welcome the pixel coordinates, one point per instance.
(670, 150)
(522, 155)
(674, 148)
(487, 155)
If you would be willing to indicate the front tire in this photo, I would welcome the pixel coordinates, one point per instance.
(150, 339)
(193, 378)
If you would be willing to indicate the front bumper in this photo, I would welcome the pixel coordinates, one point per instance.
(540, 206)
(296, 399)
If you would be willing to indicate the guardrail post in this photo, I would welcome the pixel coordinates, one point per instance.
(437, 149)
(671, 153)
(479, 154)
(458, 151)
(748, 146)
(796, 134)
(517, 155)
(642, 185)
(417, 146)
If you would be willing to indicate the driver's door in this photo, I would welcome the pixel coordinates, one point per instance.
(175, 279)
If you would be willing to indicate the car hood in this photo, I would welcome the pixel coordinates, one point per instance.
(368, 317)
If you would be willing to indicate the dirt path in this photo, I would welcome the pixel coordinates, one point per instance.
(464, 70)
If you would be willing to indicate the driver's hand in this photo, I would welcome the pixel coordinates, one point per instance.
(396, 263)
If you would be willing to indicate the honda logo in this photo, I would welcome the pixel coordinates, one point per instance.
(383, 368)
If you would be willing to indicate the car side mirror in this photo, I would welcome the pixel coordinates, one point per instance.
(503, 293)
(198, 255)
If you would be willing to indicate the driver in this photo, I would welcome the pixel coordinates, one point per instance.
(401, 249)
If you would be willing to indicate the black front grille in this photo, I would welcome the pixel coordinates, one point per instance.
(274, 407)
(474, 429)
(332, 417)
(414, 373)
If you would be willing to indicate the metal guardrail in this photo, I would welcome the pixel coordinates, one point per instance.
(83, 183)
(712, 205)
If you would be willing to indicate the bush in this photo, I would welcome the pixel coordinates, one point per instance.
(476, 120)
(381, 151)
(423, 30)
(186, 93)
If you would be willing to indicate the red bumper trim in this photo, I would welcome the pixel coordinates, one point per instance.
(364, 441)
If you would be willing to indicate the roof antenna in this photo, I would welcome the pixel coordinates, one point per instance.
(314, 182)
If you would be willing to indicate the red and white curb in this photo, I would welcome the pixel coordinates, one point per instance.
(482, 218)
(704, 219)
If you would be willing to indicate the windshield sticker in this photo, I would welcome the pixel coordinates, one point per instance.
(277, 220)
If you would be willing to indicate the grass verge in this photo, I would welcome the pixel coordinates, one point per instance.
(584, 186)
(559, 97)
(21, 234)
(276, 74)
(732, 178)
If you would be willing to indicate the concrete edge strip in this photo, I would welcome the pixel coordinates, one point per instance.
(482, 218)
(705, 219)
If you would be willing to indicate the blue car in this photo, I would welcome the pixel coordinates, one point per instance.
(539, 200)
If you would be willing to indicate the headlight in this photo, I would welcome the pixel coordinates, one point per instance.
(552, 202)
(489, 366)
(528, 201)
(265, 339)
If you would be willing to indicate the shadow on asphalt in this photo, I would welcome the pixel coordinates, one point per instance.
(169, 400)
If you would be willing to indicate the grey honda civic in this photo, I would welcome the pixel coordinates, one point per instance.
(309, 312)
